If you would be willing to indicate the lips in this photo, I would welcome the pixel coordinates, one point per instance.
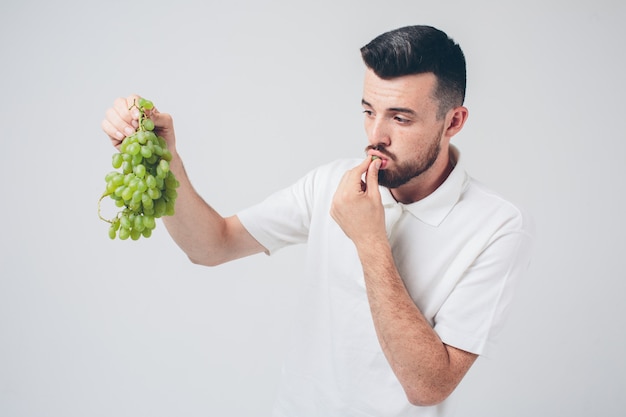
(383, 159)
(374, 152)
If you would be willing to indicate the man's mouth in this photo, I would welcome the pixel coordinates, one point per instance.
(376, 152)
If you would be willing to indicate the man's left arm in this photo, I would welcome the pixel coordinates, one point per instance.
(428, 369)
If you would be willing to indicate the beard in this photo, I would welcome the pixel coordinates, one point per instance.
(405, 171)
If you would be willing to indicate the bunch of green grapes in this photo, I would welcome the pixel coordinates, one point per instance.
(143, 187)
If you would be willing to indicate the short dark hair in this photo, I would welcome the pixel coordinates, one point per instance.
(420, 49)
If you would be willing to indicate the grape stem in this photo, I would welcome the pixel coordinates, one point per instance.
(142, 114)
(99, 211)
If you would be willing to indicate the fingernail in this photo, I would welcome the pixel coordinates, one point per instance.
(129, 131)
(119, 135)
(135, 123)
(135, 113)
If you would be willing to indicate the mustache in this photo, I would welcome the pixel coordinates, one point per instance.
(382, 150)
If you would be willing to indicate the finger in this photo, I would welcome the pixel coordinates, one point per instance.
(119, 122)
(152, 112)
(160, 119)
(371, 178)
(122, 107)
(372, 171)
(111, 131)
(357, 173)
(361, 171)
(362, 167)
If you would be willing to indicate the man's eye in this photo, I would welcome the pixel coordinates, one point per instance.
(401, 119)
(367, 112)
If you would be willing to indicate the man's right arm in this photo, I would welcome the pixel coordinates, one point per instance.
(203, 234)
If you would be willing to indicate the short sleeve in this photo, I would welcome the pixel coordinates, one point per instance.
(283, 218)
(475, 312)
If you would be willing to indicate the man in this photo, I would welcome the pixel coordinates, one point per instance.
(411, 263)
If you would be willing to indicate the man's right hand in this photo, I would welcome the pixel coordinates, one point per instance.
(121, 120)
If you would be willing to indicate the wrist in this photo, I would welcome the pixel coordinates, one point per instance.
(373, 248)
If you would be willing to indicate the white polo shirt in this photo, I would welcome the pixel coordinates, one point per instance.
(459, 251)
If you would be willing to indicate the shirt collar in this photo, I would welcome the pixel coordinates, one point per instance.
(434, 208)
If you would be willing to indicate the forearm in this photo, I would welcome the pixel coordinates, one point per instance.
(200, 231)
(427, 368)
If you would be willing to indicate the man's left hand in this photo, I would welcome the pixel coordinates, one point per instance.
(357, 206)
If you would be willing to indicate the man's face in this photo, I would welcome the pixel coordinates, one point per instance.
(402, 126)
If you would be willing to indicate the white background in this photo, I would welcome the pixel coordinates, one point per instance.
(262, 91)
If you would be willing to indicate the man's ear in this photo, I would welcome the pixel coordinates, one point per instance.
(455, 120)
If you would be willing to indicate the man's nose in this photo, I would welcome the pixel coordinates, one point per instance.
(379, 133)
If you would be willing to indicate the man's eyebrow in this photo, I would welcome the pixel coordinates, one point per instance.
(404, 110)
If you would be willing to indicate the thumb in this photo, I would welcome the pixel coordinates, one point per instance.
(161, 120)
(371, 179)
(153, 113)
(163, 126)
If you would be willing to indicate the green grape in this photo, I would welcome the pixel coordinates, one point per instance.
(159, 208)
(108, 177)
(171, 181)
(169, 208)
(151, 181)
(118, 179)
(142, 137)
(145, 103)
(149, 222)
(135, 234)
(124, 233)
(117, 160)
(127, 194)
(171, 193)
(127, 167)
(154, 193)
(147, 201)
(132, 184)
(146, 152)
(140, 170)
(164, 165)
(125, 221)
(137, 159)
(160, 174)
(138, 223)
(115, 225)
(147, 124)
(143, 187)
(136, 198)
(133, 149)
